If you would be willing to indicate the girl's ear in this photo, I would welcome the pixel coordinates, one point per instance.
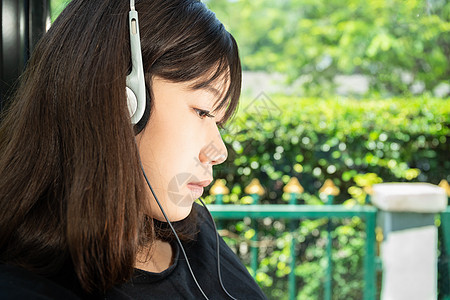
(139, 126)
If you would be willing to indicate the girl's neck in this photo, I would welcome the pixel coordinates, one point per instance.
(156, 259)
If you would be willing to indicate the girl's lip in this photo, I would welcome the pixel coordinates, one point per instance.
(203, 183)
(196, 190)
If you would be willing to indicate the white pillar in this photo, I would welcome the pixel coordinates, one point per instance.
(409, 249)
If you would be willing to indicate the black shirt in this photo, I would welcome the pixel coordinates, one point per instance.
(176, 282)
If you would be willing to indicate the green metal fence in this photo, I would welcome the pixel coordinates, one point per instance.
(297, 212)
(294, 211)
(444, 259)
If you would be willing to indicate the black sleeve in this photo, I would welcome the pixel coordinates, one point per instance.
(18, 283)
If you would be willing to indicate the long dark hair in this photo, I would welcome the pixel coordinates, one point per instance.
(71, 187)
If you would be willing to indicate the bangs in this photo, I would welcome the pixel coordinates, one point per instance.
(206, 54)
(228, 75)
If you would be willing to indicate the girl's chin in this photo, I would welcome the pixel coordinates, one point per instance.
(174, 212)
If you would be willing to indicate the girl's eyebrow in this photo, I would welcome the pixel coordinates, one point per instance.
(207, 87)
(212, 90)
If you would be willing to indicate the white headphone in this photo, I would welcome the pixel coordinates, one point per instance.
(136, 93)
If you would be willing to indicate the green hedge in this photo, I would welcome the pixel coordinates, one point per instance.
(342, 139)
(352, 142)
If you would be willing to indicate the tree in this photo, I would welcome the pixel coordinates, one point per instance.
(401, 46)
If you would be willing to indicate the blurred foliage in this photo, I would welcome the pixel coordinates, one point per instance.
(399, 45)
(356, 143)
(56, 6)
(343, 139)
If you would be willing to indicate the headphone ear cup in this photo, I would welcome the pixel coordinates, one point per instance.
(131, 102)
(139, 126)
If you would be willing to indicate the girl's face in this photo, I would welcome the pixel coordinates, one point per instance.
(180, 145)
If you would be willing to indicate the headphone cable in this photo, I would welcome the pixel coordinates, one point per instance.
(173, 230)
(217, 250)
(179, 241)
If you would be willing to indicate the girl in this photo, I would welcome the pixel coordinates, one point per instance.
(96, 165)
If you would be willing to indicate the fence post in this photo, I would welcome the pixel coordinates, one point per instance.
(409, 250)
(445, 229)
(294, 189)
(255, 190)
(369, 258)
(330, 190)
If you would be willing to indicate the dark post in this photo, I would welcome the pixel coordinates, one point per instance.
(23, 24)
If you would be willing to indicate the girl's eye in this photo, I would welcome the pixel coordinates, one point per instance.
(203, 113)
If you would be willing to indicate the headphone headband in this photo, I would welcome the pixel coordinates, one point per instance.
(136, 94)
